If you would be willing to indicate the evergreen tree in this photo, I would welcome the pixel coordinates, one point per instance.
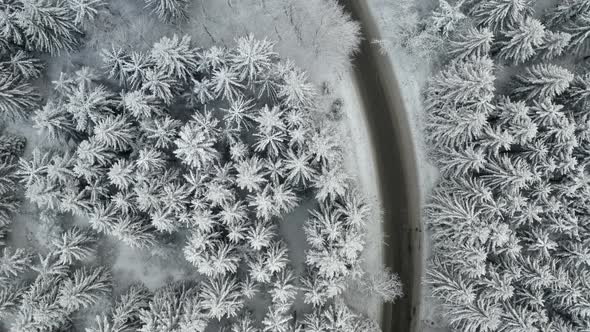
(88, 106)
(473, 42)
(331, 184)
(249, 174)
(133, 232)
(226, 83)
(466, 82)
(141, 106)
(238, 113)
(159, 85)
(295, 90)
(173, 308)
(522, 41)
(542, 81)
(115, 61)
(49, 25)
(447, 17)
(85, 10)
(21, 64)
(169, 10)
(11, 147)
(276, 320)
(500, 14)
(460, 163)
(14, 262)
(579, 29)
(252, 57)
(567, 11)
(54, 122)
(10, 296)
(161, 131)
(200, 92)
(477, 316)
(84, 288)
(554, 45)
(17, 98)
(175, 57)
(221, 297)
(74, 245)
(114, 132)
(195, 147)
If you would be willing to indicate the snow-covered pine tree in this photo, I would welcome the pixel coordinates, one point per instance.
(48, 25)
(140, 105)
(221, 297)
(542, 81)
(519, 44)
(473, 42)
(11, 147)
(253, 57)
(124, 315)
(85, 11)
(14, 262)
(21, 64)
(554, 45)
(276, 320)
(175, 57)
(84, 288)
(114, 61)
(446, 18)
(169, 10)
(136, 69)
(174, 307)
(195, 147)
(500, 14)
(159, 85)
(567, 11)
(480, 315)
(467, 82)
(578, 29)
(296, 90)
(114, 132)
(17, 97)
(74, 245)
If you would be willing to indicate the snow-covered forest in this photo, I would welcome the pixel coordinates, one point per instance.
(175, 165)
(507, 124)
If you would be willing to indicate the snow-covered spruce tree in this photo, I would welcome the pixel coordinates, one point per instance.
(42, 25)
(42, 293)
(216, 147)
(17, 97)
(169, 11)
(51, 26)
(508, 216)
(11, 148)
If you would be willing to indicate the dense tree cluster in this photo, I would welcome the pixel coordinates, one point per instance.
(11, 148)
(51, 26)
(57, 286)
(508, 126)
(34, 26)
(215, 147)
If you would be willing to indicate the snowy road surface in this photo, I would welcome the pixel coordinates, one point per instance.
(396, 170)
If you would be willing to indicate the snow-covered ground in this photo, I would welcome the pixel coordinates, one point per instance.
(360, 160)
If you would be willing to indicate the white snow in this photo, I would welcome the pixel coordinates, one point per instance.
(360, 161)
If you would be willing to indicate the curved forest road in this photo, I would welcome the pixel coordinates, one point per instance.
(397, 171)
